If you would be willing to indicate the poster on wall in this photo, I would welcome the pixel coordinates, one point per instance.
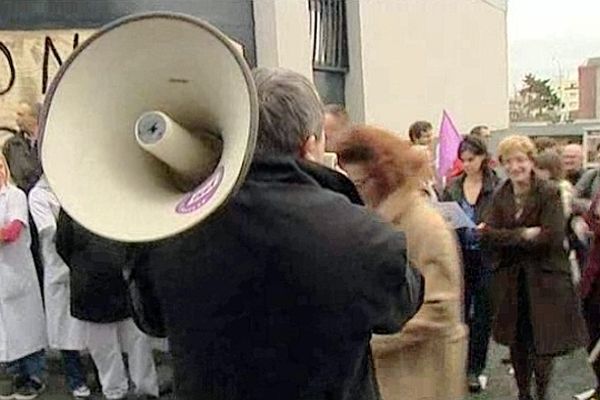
(29, 61)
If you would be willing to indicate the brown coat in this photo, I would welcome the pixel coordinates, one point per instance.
(554, 307)
(427, 359)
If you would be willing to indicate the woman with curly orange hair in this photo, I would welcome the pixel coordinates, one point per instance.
(426, 360)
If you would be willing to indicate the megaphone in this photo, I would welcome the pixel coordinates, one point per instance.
(149, 127)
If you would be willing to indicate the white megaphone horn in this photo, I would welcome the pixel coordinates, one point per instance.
(149, 127)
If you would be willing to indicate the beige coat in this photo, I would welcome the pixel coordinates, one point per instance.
(427, 359)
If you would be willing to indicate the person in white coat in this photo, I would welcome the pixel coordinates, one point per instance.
(22, 322)
(100, 297)
(65, 333)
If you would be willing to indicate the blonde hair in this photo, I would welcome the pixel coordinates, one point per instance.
(515, 143)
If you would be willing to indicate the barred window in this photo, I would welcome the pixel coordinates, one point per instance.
(328, 34)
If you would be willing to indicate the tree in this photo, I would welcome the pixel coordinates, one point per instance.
(538, 96)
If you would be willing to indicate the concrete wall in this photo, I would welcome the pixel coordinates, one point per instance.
(282, 35)
(411, 59)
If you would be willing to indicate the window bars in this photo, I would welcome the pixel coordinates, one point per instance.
(328, 35)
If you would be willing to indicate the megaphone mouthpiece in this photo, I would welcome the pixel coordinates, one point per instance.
(192, 157)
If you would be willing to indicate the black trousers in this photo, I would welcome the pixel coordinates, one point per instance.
(478, 312)
(526, 362)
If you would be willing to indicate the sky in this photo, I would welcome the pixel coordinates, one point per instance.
(551, 37)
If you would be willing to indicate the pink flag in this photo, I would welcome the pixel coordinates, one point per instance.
(448, 145)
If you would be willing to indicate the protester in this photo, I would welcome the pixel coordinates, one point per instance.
(22, 325)
(21, 155)
(429, 186)
(548, 166)
(588, 186)
(590, 288)
(572, 158)
(481, 131)
(536, 311)
(426, 359)
(99, 296)
(543, 144)
(21, 149)
(421, 132)
(65, 333)
(277, 296)
(473, 190)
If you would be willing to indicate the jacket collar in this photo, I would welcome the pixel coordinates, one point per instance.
(530, 203)
(490, 179)
(291, 170)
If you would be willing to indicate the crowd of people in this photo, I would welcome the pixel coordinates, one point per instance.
(528, 276)
(71, 302)
(318, 280)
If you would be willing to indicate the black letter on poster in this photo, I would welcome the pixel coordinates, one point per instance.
(11, 66)
(48, 47)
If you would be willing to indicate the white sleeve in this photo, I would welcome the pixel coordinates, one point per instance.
(17, 206)
(41, 210)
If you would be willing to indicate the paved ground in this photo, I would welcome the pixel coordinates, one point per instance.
(572, 375)
(58, 391)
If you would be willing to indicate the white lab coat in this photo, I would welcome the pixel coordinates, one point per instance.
(64, 331)
(22, 323)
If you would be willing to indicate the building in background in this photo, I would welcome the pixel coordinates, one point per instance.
(568, 93)
(589, 86)
(410, 60)
(389, 62)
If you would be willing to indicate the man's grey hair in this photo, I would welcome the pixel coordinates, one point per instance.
(290, 111)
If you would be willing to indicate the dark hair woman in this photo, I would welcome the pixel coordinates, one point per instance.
(536, 312)
(473, 190)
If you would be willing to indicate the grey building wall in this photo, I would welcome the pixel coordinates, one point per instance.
(233, 17)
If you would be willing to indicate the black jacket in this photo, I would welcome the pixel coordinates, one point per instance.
(98, 289)
(276, 297)
(454, 192)
(23, 161)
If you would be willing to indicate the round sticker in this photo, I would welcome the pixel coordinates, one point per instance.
(193, 201)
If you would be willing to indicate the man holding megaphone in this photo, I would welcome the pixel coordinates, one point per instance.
(268, 273)
(277, 297)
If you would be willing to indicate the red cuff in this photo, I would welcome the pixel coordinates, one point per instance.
(12, 231)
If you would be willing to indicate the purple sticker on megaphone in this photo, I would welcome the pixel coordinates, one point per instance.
(199, 197)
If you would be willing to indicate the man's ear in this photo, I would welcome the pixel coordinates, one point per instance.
(309, 149)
